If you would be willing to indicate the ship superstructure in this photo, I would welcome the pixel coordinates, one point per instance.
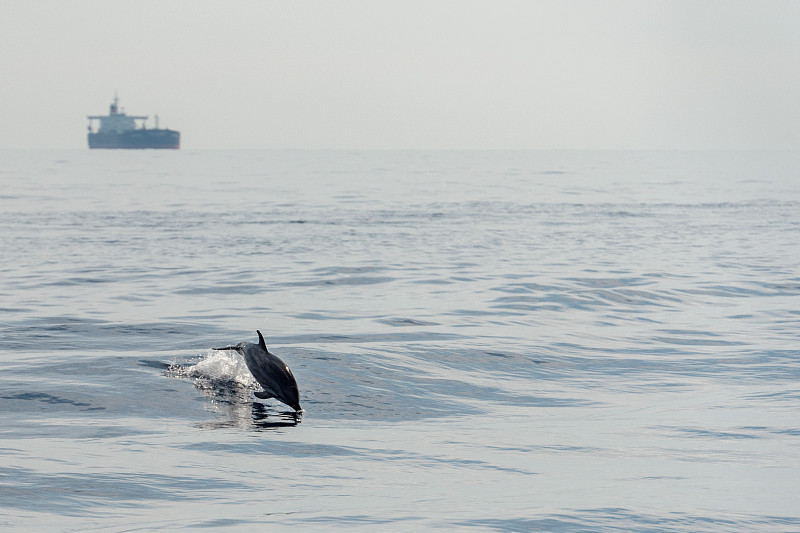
(119, 130)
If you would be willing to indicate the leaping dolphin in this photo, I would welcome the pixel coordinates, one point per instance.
(270, 372)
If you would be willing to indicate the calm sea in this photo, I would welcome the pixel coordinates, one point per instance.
(484, 341)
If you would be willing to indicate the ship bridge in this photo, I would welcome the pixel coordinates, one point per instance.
(117, 121)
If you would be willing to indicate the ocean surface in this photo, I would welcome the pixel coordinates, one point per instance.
(483, 341)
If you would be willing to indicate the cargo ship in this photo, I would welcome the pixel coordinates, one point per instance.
(118, 130)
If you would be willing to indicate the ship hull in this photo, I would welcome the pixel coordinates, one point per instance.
(136, 139)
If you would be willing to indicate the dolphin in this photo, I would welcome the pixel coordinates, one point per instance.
(270, 372)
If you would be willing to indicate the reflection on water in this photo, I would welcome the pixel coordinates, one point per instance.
(254, 415)
(263, 418)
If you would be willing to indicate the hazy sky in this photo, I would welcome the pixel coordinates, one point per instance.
(407, 74)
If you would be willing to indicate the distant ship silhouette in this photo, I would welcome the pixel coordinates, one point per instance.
(118, 130)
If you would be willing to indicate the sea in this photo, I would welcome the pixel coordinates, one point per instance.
(484, 341)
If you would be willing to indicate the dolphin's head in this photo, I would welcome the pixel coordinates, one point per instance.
(292, 398)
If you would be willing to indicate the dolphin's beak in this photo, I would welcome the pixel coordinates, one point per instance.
(227, 348)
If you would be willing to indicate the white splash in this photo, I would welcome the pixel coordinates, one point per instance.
(220, 366)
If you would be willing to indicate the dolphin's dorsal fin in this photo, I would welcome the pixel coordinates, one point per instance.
(261, 341)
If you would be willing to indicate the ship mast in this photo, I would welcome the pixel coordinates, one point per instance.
(112, 110)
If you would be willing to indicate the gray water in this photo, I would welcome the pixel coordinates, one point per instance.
(484, 341)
